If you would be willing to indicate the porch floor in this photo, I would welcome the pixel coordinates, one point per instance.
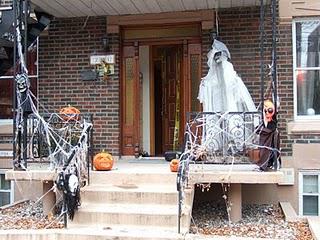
(215, 173)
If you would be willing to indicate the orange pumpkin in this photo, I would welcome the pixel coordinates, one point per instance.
(174, 164)
(70, 113)
(103, 161)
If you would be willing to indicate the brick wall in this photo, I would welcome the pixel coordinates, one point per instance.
(239, 30)
(63, 53)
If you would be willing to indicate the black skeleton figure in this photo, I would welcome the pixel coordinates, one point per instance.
(68, 183)
(22, 82)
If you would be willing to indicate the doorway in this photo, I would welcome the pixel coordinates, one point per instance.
(159, 85)
(167, 78)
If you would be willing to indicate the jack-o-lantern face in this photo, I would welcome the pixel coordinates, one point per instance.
(268, 111)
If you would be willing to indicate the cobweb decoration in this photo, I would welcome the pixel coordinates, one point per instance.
(62, 140)
(221, 137)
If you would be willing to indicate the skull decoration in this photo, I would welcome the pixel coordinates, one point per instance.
(73, 183)
(268, 111)
(21, 80)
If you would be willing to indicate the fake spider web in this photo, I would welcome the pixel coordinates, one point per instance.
(219, 138)
(62, 140)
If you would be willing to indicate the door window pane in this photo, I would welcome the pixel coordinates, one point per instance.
(310, 184)
(4, 198)
(308, 43)
(129, 90)
(310, 205)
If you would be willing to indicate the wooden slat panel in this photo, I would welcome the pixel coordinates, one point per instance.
(225, 3)
(75, 10)
(189, 4)
(142, 6)
(108, 9)
(83, 8)
(165, 6)
(153, 5)
(58, 7)
(131, 8)
(116, 4)
(214, 3)
(177, 5)
(94, 7)
(201, 4)
(46, 7)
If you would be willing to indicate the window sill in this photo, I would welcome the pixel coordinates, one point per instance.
(304, 127)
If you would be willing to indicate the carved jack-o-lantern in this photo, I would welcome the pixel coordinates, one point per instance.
(268, 111)
(103, 161)
(70, 113)
(174, 164)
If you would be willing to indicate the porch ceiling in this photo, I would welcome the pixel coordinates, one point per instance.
(78, 8)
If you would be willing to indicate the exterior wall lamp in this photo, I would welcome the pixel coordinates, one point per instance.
(105, 43)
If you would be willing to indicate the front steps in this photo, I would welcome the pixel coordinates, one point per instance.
(136, 204)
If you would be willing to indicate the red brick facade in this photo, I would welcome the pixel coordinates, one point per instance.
(63, 54)
(66, 50)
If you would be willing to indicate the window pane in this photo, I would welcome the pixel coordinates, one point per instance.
(4, 184)
(4, 198)
(195, 81)
(6, 92)
(308, 92)
(129, 85)
(31, 63)
(310, 205)
(308, 43)
(310, 184)
(6, 95)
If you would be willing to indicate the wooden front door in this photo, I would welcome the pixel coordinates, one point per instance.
(130, 100)
(167, 62)
(176, 70)
(171, 97)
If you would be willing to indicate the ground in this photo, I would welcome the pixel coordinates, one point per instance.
(260, 221)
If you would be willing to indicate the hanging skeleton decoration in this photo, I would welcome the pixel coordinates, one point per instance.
(68, 183)
(269, 139)
(22, 83)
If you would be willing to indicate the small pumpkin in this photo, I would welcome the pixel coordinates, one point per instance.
(103, 161)
(69, 113)
(174, 164)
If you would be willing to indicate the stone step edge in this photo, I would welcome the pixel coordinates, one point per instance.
(125, 208)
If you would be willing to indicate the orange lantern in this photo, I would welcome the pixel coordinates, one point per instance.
(174, 164)
(103, 161)
(69, 113)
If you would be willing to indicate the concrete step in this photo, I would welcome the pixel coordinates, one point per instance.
(115, 177)
(134, 194)
(131, 214)
(92, 233)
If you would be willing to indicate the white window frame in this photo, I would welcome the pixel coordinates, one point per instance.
(295, 68)
(301, 194)
(11, 191)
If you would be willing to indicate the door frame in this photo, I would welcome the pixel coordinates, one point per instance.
(185, 82)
